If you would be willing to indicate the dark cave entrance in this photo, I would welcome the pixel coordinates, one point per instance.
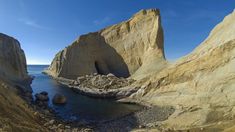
(103, 68)
(98, 68)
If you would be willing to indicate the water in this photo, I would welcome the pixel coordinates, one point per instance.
(78, 107)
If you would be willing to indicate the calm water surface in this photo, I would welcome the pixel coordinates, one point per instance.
(78, 107)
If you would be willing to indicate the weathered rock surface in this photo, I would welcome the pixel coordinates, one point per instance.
(15, 113)
(41, 99)
(133, 47)
(12, 60)
(102, 86)
(200, 85)
(59, 99)
(43, 96)
(104, 82)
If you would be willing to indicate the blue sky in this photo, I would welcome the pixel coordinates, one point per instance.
(44, 27)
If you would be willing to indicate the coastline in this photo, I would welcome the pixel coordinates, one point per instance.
(117, 93)
(146, 117)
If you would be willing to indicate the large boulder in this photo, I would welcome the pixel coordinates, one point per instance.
(133, 47)
(43, 96)
(59, 99)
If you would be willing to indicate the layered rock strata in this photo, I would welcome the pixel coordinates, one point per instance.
(12, 59)
(131, 48)
(15, 113)
(200, 85)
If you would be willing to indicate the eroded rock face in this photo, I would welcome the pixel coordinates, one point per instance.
(199, 85)
(12, 59)
(16, 115)
(133, 47)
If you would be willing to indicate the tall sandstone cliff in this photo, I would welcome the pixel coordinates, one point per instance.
(15, 114)
(133, 47)
(12, 60)
(200, 85)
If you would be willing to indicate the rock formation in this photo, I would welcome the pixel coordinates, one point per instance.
(15, 113)
(103, 86)
(133, 47)
(12, 60)
(59, 99)
(200, 85)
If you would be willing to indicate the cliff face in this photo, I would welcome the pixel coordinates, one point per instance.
(199, 85)
(15, 114)
(133, 47)
(12, 59)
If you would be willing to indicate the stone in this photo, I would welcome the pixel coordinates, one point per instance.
(76, 83)
(41, 97)
(110, 75)
(59, 99)
(111, 82)
(60, 126)
(81, 78)
(105, 51)
(51, 122)
(95, 74)
(141, 126)
(44, 93)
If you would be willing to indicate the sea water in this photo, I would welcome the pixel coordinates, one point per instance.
(78, 107)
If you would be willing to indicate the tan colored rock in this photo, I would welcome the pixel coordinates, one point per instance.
(12, 59)
(199, 85)
(59, 99)
(16, 114)
(133, 47)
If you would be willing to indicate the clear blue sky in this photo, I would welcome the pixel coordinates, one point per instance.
(44, 27)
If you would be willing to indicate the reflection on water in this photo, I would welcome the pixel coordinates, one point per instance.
(78, 106)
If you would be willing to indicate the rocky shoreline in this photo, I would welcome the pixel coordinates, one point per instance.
(144, 118)
(100, 86)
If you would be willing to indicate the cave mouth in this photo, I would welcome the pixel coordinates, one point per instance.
(98, 68)
(103, 68)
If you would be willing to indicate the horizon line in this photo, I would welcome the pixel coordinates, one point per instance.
(38, 64)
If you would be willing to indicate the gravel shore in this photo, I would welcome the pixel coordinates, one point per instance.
(148, 117)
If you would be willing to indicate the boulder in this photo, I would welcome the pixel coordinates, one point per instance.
(44, 93)
(110, 75)
(59, 99)
(81, 78)
(41, 97)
